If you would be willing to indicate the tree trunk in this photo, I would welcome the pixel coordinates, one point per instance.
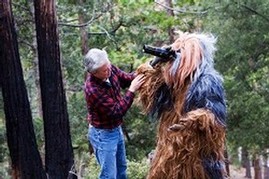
(246, 162)
(25, 158)
(227, 162)
(167, 6)
(170, 12)
(266, 167)
(30, 4)
(83, 32)
(83, 35)
(59, 159)
(257, 168)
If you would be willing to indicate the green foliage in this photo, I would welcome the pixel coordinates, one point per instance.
(3, 142)
(141, 132)
(94, 169)
(242, 57)
(88, 168)
(137, 169)
(78, 122)
(4, 165)
(39, 132)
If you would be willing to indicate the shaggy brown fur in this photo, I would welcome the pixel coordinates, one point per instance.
(183, 140)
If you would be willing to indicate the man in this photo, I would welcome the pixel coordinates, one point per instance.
(106, 108)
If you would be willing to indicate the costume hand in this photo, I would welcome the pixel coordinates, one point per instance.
(180, 126)
(137, 82)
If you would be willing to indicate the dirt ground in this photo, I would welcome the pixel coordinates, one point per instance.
(237, 173)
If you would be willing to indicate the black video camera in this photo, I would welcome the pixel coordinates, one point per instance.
(161, 54)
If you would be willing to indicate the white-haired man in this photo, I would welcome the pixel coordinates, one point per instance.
(106, 108)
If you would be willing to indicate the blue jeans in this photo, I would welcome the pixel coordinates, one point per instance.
(109, 149)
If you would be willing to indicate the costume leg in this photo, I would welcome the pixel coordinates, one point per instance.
(215, 170)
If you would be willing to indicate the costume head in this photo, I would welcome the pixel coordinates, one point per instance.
(184, 93)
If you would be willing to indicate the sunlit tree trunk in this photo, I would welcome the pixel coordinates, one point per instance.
(59, 159)
(170, 12)
(83, 36)
(30, 4)
(83, 31)
(266, 167)
(246, 162)
(227, 162)
(84, 45)
(25, 158)
(257, 167)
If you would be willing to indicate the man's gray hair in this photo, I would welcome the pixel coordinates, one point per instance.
(94, 59)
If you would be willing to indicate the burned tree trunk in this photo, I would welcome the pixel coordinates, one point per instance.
(25, 158)
(59, 157)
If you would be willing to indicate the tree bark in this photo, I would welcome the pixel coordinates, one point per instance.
(257, 167)
(83, 32)
(25, 158)
(246, 162)
(59, 159)
(30, 4)
(227, 162)
(266, 167)
(84, 39)
(170, 12)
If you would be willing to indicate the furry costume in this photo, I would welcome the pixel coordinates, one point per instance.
(187, 97)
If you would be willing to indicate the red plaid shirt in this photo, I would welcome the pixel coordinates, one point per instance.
(106, 105)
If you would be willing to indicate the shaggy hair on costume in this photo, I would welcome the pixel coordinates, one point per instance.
(186, 96)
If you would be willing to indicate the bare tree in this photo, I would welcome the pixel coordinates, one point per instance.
(25, 158)
(59, 159)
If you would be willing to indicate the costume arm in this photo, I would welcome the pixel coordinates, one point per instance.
(199, 128)
(207, 92)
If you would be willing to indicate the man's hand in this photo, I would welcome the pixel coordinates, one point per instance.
(137, 82)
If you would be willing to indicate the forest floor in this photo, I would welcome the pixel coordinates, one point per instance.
(236, 172)
(239, 172)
